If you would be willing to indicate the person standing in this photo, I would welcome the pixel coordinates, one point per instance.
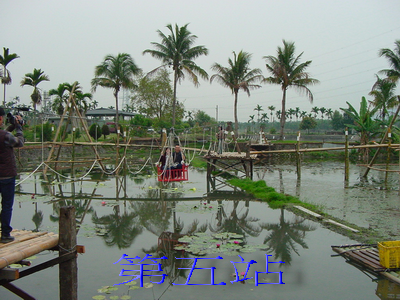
(221, 139)
(8, 171)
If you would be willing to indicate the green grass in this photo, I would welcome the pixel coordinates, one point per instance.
(260, 190)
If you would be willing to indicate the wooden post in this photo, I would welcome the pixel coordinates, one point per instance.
(68, 270)
(298, 157)
(388, 154)
(346, 157)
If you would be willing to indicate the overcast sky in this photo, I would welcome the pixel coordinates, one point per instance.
(67, 39)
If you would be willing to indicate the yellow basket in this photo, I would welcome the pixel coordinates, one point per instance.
(389, 254)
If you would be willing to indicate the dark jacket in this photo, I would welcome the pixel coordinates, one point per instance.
(8, 165)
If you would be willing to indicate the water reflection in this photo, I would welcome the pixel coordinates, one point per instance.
(284, 236)
(232, 222)
(119, 229)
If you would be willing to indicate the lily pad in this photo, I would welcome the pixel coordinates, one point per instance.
(225, 243)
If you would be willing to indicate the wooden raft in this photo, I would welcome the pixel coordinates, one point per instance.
(26, 244)
(368, 257)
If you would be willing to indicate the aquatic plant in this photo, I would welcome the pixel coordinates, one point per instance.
(227, 243)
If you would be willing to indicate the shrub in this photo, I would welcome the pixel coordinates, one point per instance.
(105, 130)
(95, 131)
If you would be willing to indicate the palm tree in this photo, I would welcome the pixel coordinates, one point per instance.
(258, 109)
(393, 56)
(33, 80)
(271, 108)
(82, 101)
(287, 71)
(237, 77)
(116, 72)
(322, 110)
(315, 110)
(264, 117)
(329, 113)
(383, 92)
(363, 123)
(278, 114)
(297, 113)
(291, 112)
(60, 98)
(176, 50)
(93, 104)
(6, 75)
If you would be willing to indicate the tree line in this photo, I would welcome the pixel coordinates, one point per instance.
(177, 51)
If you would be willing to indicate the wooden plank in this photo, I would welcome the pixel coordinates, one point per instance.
(364, 257)
(371, 263)
(9, 274)
(24, 246)
(303, 209)
(342, 225)
(17, 291)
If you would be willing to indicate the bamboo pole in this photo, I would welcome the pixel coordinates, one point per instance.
(383, 139)
(324, 149)
(346, 157)
(388, 155)
(298, 157)
(59, 126)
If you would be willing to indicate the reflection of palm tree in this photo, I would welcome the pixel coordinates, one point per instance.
(166, 242)
(234, 223)
(37, 218)
(121, 230)
(152, 215)
(284, 237)
(81, 208)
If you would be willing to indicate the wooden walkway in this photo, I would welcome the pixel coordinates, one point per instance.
(367, 256)
(26, 244)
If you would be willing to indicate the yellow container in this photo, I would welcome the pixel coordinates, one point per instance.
(389, 254)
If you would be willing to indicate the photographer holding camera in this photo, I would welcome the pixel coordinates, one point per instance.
(8, 170)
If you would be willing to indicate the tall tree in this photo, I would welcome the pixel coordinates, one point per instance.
(60, 98)
(33, 80)
(329, 113)
(287, 71)
(383, 92)
(116, 72)
(363, 123)
(5, 74)
(238, 76)
(322, 110)
(177, 51)
(83, 101)
(315, 110)
(154, 96)
(271, 109)
(393, 56)
(258, 109)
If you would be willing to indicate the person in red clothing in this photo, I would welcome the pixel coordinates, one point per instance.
(8, 171)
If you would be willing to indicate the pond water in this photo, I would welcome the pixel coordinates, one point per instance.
(135, 216)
